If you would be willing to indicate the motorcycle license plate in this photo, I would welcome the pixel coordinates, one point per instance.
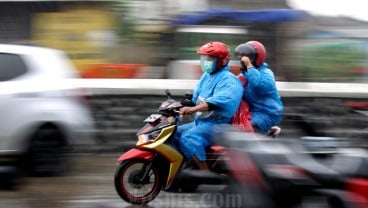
(152, 118)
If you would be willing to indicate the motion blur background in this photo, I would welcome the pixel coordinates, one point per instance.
(158, 38)
(323, 41)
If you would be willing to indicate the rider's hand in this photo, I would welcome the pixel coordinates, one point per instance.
(246, 62)
(186, 110)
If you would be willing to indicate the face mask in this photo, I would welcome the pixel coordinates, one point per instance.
(208, 66)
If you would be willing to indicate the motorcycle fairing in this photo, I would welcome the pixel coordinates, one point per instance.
(169, 104)
(174, 158)
(136, 153)
(171, 154)
(158, 124)
(165, 133)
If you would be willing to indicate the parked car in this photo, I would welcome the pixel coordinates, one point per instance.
(42, 110)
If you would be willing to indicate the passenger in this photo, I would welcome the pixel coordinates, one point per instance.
(260, 92)
(217, 97)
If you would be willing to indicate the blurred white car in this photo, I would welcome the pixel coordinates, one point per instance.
(42, 110)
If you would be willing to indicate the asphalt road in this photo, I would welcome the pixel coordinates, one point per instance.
(89, 184)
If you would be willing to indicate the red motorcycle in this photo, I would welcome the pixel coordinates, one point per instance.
(154, 164)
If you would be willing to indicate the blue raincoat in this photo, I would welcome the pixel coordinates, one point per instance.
(262, 96)
(221, 89)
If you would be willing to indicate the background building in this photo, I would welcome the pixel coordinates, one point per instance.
(150, 38)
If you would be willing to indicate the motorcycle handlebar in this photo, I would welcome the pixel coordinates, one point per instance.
(187, 102)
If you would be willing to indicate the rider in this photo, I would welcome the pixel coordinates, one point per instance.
(260, 91)
(216, 97)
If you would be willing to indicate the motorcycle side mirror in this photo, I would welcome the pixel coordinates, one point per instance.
(188, 99)
(189, 95)
(168, 93)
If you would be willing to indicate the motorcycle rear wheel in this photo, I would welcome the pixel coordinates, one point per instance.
(130, 184)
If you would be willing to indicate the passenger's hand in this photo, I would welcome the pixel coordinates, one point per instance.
(246, 62)
(186, 111)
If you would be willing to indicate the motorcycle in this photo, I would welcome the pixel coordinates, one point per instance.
(285, 173)
(154, 164)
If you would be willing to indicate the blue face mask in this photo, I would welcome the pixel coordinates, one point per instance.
(208, 66)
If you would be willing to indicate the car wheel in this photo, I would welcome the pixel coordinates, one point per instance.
(46, 154)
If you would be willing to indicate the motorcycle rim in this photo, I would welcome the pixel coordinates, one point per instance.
(131, 184)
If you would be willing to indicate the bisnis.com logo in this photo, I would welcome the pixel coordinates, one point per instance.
(204, 200)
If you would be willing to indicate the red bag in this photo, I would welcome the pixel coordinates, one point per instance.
(242, 116)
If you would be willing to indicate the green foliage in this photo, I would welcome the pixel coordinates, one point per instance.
(126, 23)
(331, 63)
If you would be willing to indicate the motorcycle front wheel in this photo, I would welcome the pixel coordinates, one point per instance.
(137, 181)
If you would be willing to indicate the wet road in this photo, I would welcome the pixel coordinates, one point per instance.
(89, 184)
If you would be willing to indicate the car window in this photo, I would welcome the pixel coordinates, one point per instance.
(11, 66)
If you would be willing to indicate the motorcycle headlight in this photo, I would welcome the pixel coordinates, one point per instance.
(144, 138)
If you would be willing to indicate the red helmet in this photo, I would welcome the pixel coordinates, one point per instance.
(254, 50)
(218, 50)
